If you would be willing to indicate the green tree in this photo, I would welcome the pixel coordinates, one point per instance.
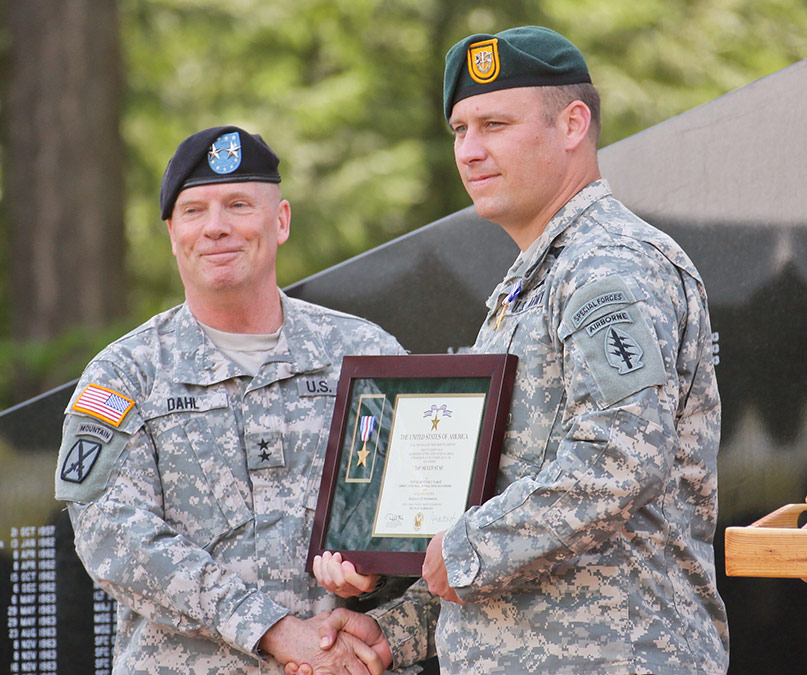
(63, 187)
(348, 92)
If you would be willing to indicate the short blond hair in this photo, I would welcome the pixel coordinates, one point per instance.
(556, 99)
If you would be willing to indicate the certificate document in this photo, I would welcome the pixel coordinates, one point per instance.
(415, 442)
(430, 463)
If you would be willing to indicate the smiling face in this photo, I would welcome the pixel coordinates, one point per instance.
(225, 238)
(518, 168)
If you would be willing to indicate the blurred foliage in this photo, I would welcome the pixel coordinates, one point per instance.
(348, 92)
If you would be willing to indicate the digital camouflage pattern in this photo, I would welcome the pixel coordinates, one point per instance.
(596, 554)
(195, 511)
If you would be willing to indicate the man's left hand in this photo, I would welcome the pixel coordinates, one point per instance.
(435, 573)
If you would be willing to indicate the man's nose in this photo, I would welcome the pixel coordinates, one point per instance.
(469, 148)
(216, 224)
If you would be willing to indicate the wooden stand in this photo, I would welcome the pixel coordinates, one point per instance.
(773, 546)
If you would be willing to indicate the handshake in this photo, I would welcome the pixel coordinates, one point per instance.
(340, 641)
(345, 641)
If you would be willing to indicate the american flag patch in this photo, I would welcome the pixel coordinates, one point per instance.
(103, 403)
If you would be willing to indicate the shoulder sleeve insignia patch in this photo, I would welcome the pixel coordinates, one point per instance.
(622, 351)
(88, 455)
(105, 404)
(80, 460)
(608, 327)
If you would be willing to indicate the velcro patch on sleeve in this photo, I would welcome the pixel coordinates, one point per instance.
(618, 345)
(105, 404)
(87, 457)
(596, 299)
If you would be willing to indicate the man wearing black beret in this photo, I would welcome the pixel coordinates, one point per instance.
(596, 554)
(193, 446)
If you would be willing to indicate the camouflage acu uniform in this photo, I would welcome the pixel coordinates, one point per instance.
(194, 509)
(596, 554)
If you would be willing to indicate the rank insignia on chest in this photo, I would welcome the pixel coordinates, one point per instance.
(264, 450)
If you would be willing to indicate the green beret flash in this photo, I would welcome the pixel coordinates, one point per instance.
(527, 56)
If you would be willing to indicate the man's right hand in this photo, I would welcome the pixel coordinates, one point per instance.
(292, 640)
(343, 623)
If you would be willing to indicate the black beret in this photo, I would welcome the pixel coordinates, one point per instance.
(217, 155)
(527, 56)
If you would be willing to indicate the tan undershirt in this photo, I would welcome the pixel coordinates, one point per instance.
(247, 350)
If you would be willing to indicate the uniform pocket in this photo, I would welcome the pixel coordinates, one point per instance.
(202, 497)
(314, 475)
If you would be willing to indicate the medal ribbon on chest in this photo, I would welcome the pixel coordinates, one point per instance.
(512, 296)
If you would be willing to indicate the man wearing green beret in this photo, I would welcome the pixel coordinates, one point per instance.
(596, 555)
(193, 446)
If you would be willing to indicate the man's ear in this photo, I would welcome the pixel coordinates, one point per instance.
(576, 119)
(170, 224)
(283, 221)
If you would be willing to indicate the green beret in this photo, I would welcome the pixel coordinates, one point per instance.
(217, 155)
(527, 56)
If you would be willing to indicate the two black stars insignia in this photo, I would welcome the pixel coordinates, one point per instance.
(264, 446)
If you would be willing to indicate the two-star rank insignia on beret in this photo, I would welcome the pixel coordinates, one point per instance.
(224, 155)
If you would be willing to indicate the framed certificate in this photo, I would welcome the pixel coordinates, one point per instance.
(414, 442)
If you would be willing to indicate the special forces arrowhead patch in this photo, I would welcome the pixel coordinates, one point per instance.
(606, 322)
(80, 461)
(224, 155)
(622, 351)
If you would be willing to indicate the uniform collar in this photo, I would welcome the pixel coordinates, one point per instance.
(528, 262)
(306, 349)
(201, 363)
